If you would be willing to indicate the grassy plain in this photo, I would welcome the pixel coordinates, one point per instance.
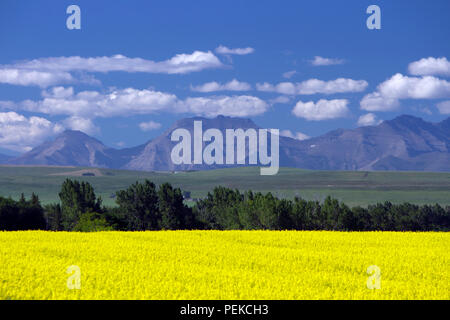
(352, 187)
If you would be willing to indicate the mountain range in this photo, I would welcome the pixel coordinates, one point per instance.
(404, 143)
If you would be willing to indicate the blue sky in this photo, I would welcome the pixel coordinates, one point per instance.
(403, 68)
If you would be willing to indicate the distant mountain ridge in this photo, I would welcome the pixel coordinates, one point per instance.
(75, 148)
(156, 153)
(404, 143)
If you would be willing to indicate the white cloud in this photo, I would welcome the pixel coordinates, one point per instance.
(130, 101)
(235, 106)
(320, 61)
(82, 124)
(368, 119)
(233, 85)
(33, 77)
(321, 110)
(430, 66)
(267, 87)
(376, 102)
(444, 107)
(180, 63)
(288, 88)
(20, 133)
(58, 92)
(403, 87)
(185, 63)
(208, 87)
(298, 135)
(289, 74)
(238, 51)
(91, 104)
(5, 105)
(150, 125)
(44, 72)
(339, 85)
(315, 86)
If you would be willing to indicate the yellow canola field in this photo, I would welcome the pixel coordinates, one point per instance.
(223, 265)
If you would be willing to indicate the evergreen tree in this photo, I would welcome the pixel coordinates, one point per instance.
(139, 204)
(171, 207)
(53, 215)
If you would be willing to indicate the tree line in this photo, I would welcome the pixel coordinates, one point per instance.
(143, 206)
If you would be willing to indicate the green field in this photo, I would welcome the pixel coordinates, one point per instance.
(352, 187)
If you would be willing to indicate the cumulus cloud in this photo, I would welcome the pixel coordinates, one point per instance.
(91, 104)
(5, 105)
(321, 110)
(368, 119)
(377, 102)
(289, 74)
(233, 85)
(42, 79)
(235, 106)
(58, 92)
(430, 67)
(315, 86)
(82, 124)
(150, 125)
(444, 107)
(237, 51)
(288, 88)
(130, 101)
(404, 87)
(340, 85)
(320, 61)
(19, 133)
(298, 135)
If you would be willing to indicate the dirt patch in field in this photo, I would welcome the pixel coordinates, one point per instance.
(80, 173)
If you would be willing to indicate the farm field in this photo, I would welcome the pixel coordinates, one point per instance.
(352, 187)
(224, 265)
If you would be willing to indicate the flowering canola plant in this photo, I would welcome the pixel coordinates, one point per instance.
(224, 265)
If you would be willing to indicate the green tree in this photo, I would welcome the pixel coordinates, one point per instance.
(92, 222)
(174, 213)
(9, 214)
(53, 215)
(284, 211)
(31, 214)
(77, 198)
(139, 204)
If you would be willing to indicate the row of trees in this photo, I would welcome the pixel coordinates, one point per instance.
(230, 209)
(143, 206)
(21, 215)
(140, 207)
